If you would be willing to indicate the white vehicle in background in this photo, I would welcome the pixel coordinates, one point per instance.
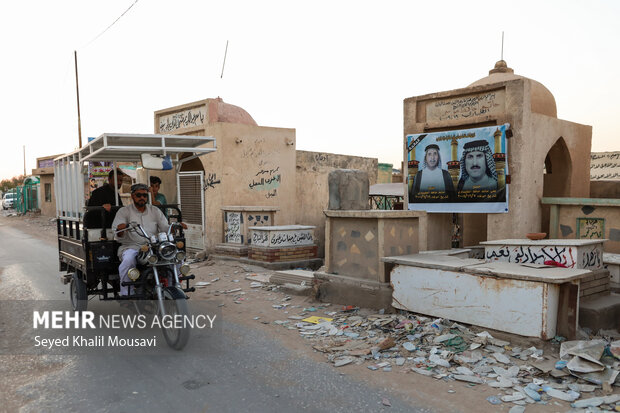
(8, 200)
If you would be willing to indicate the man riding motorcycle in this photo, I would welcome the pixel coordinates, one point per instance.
(149, 217)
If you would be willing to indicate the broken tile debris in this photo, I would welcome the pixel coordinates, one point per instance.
(585, 373)
(446, 350)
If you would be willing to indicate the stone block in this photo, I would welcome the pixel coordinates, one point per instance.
(339, 289)
(348, 189)
(600, 312)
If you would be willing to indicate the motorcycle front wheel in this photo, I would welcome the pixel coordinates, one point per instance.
(176, 338)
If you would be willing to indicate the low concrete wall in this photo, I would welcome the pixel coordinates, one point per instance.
(586, 218)
(355, 241)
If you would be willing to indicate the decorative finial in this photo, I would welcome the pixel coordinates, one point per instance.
(501, 67)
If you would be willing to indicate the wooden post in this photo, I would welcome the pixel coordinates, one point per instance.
(77, 90)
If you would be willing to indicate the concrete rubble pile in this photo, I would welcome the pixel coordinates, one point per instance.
(582, 375)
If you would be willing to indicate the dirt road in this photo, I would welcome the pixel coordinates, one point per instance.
(251, 311)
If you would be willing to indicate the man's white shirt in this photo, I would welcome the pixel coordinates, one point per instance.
(152, 220)
(432, 179)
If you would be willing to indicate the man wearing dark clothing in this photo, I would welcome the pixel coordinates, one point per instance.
(104, 196)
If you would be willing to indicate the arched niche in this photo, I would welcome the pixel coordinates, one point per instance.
(191, 165)
(557, 174)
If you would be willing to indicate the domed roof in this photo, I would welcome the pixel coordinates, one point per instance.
(228, 113)
(541, 99)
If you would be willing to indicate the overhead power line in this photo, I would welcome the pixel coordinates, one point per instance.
(108, 28)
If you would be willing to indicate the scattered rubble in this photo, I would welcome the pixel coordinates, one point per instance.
(449, 351)
(582, 375)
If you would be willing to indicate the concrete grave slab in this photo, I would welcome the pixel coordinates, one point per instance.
(434, 261)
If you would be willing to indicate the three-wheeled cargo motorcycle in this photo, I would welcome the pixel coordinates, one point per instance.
(87, 244)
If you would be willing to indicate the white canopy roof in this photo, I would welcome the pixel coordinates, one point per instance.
(117, 147)
(121, 147)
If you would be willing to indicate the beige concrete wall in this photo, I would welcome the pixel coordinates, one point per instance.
(47, 208)
(312, 193)
(474, 229)
(568, 215)
(246, 156)
(573, 181)
(605, 189)
(46, 176)
(438, 233)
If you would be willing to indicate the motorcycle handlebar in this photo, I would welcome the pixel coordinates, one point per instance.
(133, 226)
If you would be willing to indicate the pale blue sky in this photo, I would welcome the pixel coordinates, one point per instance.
(337, 71)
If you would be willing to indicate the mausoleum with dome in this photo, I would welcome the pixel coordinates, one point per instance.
(546, 156)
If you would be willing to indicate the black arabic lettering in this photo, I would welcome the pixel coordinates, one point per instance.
(591, 259)
(210, 181)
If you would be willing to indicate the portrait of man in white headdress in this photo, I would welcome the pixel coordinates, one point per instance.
(432, 177)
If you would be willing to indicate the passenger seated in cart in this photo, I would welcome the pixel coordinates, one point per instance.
(157, 197)
(104, 195)
(152, 220)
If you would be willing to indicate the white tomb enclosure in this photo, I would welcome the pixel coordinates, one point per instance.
(572, 253)
(515, 298)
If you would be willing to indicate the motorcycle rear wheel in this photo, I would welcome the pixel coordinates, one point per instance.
(78, 293)
(176, 338)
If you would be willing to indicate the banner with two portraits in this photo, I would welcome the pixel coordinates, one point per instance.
(458, 171)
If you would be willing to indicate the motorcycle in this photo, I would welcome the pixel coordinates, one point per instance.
(157, 277)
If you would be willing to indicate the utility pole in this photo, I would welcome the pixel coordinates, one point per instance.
(77, 90)
(24, 161)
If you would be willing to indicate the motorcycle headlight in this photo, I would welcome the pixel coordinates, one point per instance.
(152, 259)
(184, 269)
(180, 256)
(133, 274)
(167, 250)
